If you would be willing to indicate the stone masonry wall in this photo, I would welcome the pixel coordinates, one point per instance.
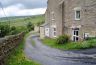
(54, 17)
(87, 21)
(7, 44)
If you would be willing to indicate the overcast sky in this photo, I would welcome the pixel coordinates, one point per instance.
(23, 7)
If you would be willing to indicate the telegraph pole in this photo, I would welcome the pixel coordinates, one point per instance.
(4, 12)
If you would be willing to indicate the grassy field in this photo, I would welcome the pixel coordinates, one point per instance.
(71, 45)
(22, 21)
(19, 24)
(17, 57)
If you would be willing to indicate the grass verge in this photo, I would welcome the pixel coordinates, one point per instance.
(71, 45)
(17, 56)
(33, 42)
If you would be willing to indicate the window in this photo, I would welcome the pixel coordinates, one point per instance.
(54, 29)
(77, 15)
(76, 32)
(54, 32)
(86, 35)
(52, 14)
(75, 35)
(47, 32)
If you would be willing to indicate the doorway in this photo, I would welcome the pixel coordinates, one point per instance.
(75, 35)
(47, 32)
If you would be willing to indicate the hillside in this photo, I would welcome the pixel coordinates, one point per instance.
(21, 20)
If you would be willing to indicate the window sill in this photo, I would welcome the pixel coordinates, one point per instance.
(53, 19)
(77, 19)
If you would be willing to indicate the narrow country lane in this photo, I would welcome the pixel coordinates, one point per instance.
(50, 56)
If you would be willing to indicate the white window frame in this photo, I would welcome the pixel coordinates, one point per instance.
(77, 9)
(47, 32)
(54, 31)
(76, 15)
(86, 35)
(74, 35)
(52, 13)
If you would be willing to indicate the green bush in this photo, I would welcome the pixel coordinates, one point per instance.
(30, 26)
(91, 38)
(40, 23)
(62, 39)
(22, 29)
(13, 30)
(4, 30)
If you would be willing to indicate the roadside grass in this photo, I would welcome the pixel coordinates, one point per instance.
(17, 56)
(33, 42)
(91, 43)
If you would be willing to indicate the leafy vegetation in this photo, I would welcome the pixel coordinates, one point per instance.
(62, 39)
(17, 57)
(39, 23)
(33, 42)
(16, 25)
(90, 43)
(30, 26)
(4, 30)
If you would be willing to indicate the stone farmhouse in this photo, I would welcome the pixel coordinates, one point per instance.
(76, 18)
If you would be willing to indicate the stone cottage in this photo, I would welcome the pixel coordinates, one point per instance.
(76, 18)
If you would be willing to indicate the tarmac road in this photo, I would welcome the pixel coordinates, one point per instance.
(50, 56)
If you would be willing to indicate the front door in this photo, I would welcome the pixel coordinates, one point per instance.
(47, 32)
(54, 31)
(75, 35)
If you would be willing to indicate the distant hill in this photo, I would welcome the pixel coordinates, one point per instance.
(22, 20)
(4, 19)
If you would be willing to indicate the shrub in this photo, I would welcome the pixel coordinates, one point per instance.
(62, 39)
(22, 29)
(4, 30)
(30, 26)
(91, 38)
(13, 28)
(40, 23)
(16, 30)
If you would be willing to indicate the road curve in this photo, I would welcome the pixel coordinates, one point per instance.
(50, 56)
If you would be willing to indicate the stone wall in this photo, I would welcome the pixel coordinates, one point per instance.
(87, 22)
(54, 17)
(7, 44)
(62, 13)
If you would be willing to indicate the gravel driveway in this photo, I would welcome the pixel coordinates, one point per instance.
(50, 56)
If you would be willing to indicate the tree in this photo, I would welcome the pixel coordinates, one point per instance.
(40, 23)
(4, 30)
(13, 30)
(30, 26)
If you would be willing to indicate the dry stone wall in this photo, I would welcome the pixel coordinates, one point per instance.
(7, 44)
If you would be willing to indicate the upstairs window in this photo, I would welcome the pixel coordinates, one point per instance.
(52, 14)
(77, 15)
